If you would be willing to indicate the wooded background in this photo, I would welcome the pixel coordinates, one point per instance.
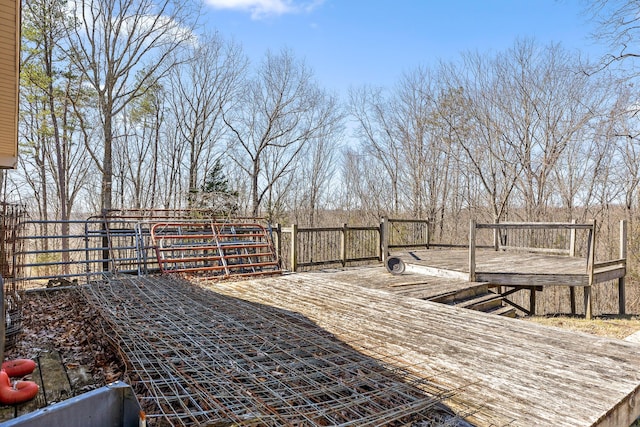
(127, 105)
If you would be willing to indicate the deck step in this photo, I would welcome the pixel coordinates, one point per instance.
(484, 302)
(505, 310)
(487, 302)
(461, 295)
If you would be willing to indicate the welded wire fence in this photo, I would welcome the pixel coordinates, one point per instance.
(68, 251)
(11, 229)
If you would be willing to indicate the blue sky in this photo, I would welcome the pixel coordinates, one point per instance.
(355, 42)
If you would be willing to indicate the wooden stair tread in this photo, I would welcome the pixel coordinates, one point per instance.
(504, 310)
(477, 300)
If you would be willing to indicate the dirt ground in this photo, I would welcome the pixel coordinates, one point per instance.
(612, 326)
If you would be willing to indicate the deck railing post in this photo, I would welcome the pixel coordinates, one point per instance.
(572, 253)
(384, 238)
(472, 251)
(572, 240)
(278, 242)
(294, 247)
(428, 234)
(343, 245)
(623, 255)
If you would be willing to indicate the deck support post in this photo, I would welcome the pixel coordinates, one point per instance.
(532, 301)
(591, 256)
(572, 298)
(587, 302)
(472, 251)
(623, 255)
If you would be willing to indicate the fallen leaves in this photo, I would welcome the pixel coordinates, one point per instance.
(61, 320)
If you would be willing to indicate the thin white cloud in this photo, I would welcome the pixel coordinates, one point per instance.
(264, 8)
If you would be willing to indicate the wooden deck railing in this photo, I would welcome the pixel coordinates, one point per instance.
(300, 247)
(596, 272)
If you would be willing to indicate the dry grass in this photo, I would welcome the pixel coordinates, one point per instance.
(612, 326)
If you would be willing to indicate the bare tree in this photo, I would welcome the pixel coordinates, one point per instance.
(618, 27)
(484, 152)
(201, 88)
(282, 111)
(122, 48)
(425, 143)
(50, 125)
(374, 128)
(545, 104)
(319, 169)
(364, 196)
(142, 126)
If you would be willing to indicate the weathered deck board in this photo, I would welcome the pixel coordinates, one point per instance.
(507, 372)
(408, 284)
(53, 381)
(490, 261)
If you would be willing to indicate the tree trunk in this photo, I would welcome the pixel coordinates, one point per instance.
(107, 162)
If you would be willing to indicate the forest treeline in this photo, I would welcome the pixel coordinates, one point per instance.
(127, 105)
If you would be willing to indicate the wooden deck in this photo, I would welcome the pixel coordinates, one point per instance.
(503, 371)
(500, 265)
(519, 270)
(54, 383)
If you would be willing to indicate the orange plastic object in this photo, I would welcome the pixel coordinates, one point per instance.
(20, 392)
(18, 367)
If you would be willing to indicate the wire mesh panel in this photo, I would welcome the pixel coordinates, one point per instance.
(11, 230)
(201, 358)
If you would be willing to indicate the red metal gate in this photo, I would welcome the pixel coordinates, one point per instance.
(221, 249)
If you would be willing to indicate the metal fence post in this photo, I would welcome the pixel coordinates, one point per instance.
(294, 247)
(343, 245)
(278, 241)
(384, 239)
(472, 251)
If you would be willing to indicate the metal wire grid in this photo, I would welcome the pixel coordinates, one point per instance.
(209, 359)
